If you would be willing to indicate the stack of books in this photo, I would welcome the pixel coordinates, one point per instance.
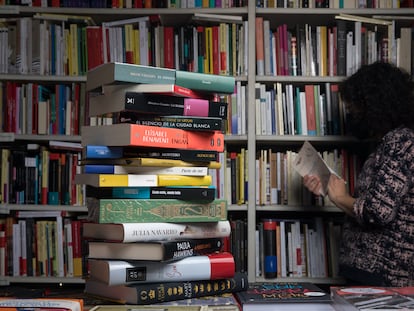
(156, 229)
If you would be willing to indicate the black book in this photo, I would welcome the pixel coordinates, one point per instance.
(155, 104)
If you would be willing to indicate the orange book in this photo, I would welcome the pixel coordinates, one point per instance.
(310, 109)
(259, 46)
(124, 134)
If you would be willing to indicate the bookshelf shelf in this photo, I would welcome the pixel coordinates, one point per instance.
(40, 280)
(7, 208)
(250, 141)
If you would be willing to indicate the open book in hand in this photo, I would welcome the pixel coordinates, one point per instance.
(308, 161)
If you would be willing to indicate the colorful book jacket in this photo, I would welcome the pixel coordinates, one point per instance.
(160, 292)
(203, 267)
(144, 136)
(159, 231)
(161, 210)
(71, 304)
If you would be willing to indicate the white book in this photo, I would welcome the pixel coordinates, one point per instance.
(68, 247)
(146, 170)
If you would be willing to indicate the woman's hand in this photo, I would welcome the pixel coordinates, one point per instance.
(313, 183)
(338, 194)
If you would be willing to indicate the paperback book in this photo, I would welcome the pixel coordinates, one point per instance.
(156, 250)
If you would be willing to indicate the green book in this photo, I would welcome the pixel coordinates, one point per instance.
(155, 210)
(115, 72)
(205, 82)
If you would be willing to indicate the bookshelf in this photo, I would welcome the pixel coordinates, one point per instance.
(249, 140)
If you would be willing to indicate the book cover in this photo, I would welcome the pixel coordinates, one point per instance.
(116, 72)
(160, 292)
(113, 152)
(203, 267)
(189, 122)
(308, 161)
(140, 180)
(156, 250)
(160, 210)
(155, 104)
(186, 193)
(284, 296)
(355, 298)
(71, 304)
(142, 135)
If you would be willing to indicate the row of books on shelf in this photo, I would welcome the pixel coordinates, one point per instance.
(33, 108)
(134, 4)
(329, 50)
(337, 4)
(300, 247)
(77, 47)
(40, 175)
(310, 109)
(47, 244)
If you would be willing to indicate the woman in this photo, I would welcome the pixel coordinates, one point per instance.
(378, 234)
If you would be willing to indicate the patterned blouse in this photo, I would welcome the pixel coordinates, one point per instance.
(378, 244)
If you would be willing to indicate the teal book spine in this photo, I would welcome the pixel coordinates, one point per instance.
(205, 82)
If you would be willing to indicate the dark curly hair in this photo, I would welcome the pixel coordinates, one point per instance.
(379, 97)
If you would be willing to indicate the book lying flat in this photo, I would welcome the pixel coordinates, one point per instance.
(156, 250)
(308, 161)
(41, 304)
(155, 210)
(203, 267)
(158, 231)
(160, 292)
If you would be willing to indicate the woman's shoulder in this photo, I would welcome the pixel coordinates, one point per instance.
(399, 140)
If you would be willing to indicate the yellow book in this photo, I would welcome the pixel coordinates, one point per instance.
(73, 28)
(135, 45)
(141, 180)
(323, 65)
(224, 58)
(129, 39)
(208, 60)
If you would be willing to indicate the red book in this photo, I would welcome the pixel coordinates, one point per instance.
(156, 137)
(94, 44)
(310, 109)
(138, 4)
(216, 50)
(259, 46)
(169, 47)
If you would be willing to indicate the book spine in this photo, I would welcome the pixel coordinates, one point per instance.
(160, 231)
(269, 240)
(102, 152)
(160, 210)
(203, 267)
(180, 193)
(122, 72)
(144, 136)
(190, 155)
(178, 122)
(119, 169)
(172, 291)
(205, 82)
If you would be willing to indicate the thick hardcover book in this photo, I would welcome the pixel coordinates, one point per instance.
(284, 296)
(205, 82)
(129, 169)
(157, 137)
(203, 267)
(115, 72)
(113, 152)
(160, 292)
(140, 232)
(178, 122)
(155, 104)
(161, 210)
(186, 193)
(71, 304)
(355, 298)
(157, 250)
(141, 180)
